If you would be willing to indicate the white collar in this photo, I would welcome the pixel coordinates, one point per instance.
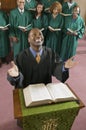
(70, 4)
(28, 1)
(21, 11)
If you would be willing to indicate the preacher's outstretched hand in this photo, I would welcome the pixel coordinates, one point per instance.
(70, 63)
(13, 71)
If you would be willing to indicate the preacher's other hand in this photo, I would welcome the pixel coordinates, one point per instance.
(13, 71)
(70, 63)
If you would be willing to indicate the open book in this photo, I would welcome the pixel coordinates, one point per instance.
(72, 31)
(65, 14)
(54, 29)
(4, 27)
(32, 9)
(39, 94)
(42, 29)
(46, 9)
(22, 27)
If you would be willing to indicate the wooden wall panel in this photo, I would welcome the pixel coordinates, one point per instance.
(7, 5)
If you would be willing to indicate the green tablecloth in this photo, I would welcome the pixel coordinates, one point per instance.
(49, 117)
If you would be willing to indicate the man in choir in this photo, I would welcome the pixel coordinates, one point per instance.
(18, 36)
(30, 4)
(67, 7)
(37, 64)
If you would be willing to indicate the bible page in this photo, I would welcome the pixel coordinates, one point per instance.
(60, 92)
(37, 93)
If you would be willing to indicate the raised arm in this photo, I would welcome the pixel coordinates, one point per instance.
(14, 76)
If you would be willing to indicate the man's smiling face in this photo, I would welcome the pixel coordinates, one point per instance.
(36, 37)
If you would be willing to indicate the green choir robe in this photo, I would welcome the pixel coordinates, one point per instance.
(48, 3)
(53, 39)
(70, 42)
(30, 4)
(66, 9)
(17, 19)
(4, 35)
(41, 22)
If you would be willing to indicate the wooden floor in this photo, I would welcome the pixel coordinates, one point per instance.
(77, 81)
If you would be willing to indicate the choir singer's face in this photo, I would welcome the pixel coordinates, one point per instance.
(21, 4)
(55, 11)
(39, 8)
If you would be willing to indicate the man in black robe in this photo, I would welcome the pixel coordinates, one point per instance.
(27, 70)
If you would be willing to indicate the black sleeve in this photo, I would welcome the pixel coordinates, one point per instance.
(58, 68)
(16, 81)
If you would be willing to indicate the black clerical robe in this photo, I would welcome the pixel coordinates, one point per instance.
(41, 72)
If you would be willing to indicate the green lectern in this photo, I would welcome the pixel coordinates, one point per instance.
(58, 116)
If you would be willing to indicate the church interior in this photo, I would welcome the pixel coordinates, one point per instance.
(77, 80)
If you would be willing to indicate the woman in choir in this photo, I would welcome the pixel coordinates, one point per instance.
(40, 19)
(74, 29)
(67, 9)
(53, 39)
(4, 37)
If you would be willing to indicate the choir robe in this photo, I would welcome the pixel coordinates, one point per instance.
(19, 19)
(48, 3)
(4, 35)
(70, 42)
(66, 9)
(30, 4)
(41, 22)
(41, 72)
(53, 39)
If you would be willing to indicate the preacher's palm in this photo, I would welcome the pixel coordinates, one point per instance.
(70, 63)
(13, 71)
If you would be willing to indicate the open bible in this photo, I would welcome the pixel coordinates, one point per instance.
(25, 27)
(65, 14)
(4, 27)
(39, 94)
(72, 31)
(54, 29)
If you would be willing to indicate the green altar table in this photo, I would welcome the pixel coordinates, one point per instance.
(48, 117)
